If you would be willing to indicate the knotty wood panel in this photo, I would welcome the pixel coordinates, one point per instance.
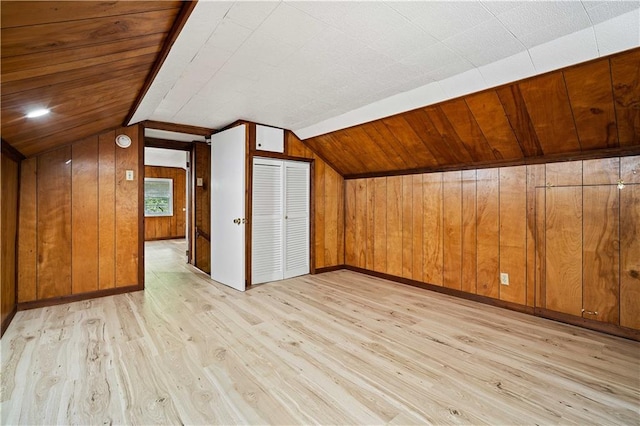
(27, 232)
(9, 221)
(630, 169)
(319, 191)
(565, 173)
(547, 102)
(335, 203)
(127, 256)
(630, 256)
(361, 242)
(448, 134)
(490, 115)
(600, 253)
(417, 217)
(452, 243)
(513, 233)
(625, 74)
(488, 232)
(165, 227)
(535, 178)
(22, 40)
(433, 262)
(395, 153)
(469, 232)
(380, 225)
(520, 120)
(376, 156)
(466, 128)
(84, 216)
(54, 223)
(370, 224)
(394, 225)
(350, 221)
(591, 100)
(563, 246)
(602, 171)
(107, 210)
(421, 123)
(540, 270)
(410, 140)
(339, 200)
(43, 12)
(202, 201)
(407, 226)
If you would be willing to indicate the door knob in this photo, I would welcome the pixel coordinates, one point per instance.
(236, 221)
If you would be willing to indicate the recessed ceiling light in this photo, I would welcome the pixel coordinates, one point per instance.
(38, 113)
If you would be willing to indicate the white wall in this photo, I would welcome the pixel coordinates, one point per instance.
(165, 157)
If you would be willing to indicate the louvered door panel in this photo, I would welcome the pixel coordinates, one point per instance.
(267, 236)
(296, 183)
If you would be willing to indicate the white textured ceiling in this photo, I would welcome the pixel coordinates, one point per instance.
(315, 66)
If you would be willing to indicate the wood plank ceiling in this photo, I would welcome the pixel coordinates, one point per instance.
(588, 108)
(85, 61)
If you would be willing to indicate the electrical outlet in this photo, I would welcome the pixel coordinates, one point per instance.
(129, 174)
(504, 278)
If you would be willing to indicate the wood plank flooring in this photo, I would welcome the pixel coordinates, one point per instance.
(336, 348)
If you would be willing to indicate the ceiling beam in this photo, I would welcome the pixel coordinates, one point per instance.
(168, 144)
(178, 128)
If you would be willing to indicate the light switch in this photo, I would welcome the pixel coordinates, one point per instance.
(129, 175)
(199, 182)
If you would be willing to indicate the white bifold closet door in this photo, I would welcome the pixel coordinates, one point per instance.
(280, 225)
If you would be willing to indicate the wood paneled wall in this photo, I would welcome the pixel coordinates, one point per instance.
(9, 184)
(79, 226)
(575, 111)
(166, 227)
(327, 194)
(552, 228)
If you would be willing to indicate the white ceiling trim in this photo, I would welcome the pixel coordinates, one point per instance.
(173, 136)
(165, 157)
(316, 67)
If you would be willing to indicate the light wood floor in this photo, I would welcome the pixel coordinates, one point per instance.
(336, 348)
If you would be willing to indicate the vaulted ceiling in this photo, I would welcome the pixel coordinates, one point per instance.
(85, 61)
(588, 108)
(317, 67)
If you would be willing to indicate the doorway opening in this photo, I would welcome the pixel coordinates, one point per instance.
(176, 200)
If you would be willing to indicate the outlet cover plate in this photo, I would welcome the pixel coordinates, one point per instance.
(504, 278)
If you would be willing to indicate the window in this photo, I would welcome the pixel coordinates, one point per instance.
(158, 197)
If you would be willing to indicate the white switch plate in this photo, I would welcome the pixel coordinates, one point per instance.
(504, 278)
(129, 175)
(199, 182)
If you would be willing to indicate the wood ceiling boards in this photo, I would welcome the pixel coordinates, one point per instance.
(587, 109)
(86, 61)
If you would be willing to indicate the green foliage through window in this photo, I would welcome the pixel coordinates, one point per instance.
(158, 197)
